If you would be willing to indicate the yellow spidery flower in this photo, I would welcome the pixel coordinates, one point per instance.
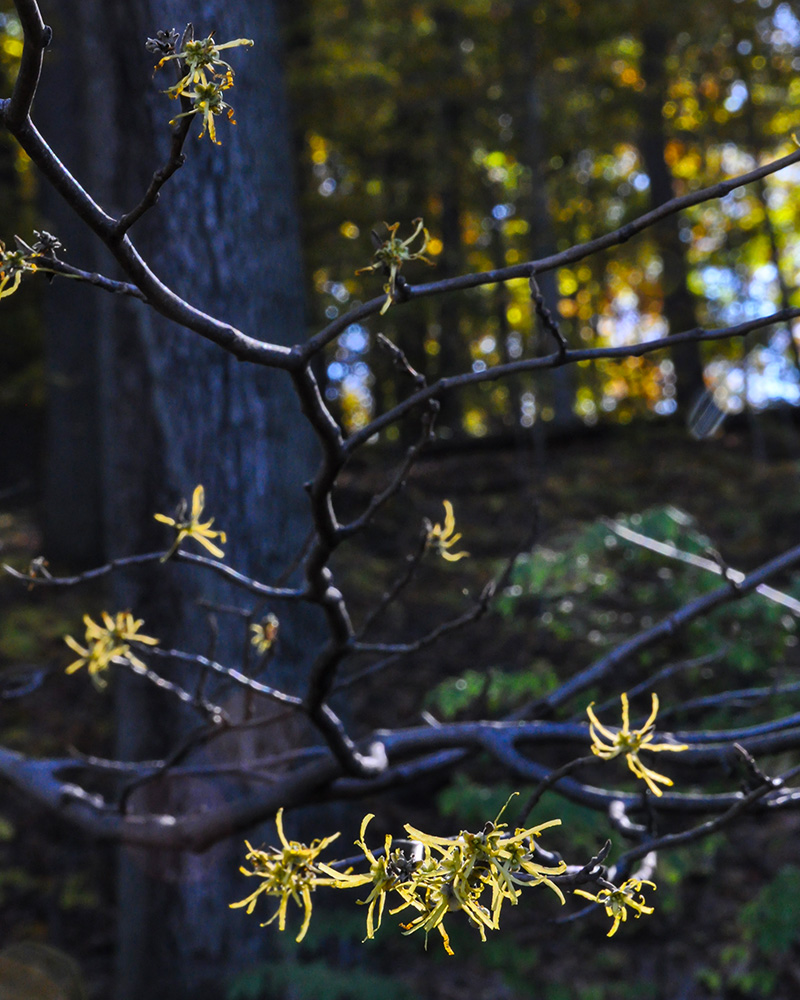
(289, 872)
(630, 742)
(386, 874)
(200, 57)
(207, 76)
(190, 527)
(265, 633)
(13, 264)
(618, 901)
(442, 537)
(493, 860)
(393, 253)
(108, 643)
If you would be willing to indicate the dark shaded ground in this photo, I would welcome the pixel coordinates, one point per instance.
(56, 887)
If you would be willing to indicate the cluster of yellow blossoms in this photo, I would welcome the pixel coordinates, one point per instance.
(206, 78)
(108, 643)
(474, 872)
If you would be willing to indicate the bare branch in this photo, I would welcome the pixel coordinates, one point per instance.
(65, 270)
(174, 162)
(37, 36)
(671, 551)
(556, 360)
(666, 627)
(546, 318)
(570, 256)
(231, 673)
(245, 582)
(161, 298)
(398, 482)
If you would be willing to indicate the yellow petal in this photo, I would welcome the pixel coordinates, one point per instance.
(598, 724)
(653, 713)
(212, 548)
(307, 918)
(279, 825)
(198, 502)
(452, 556)
(449, 519)
(625, 713)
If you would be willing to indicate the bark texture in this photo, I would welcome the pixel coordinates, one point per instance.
(168, 411)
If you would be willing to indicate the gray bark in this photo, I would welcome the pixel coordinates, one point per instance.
(174, 411)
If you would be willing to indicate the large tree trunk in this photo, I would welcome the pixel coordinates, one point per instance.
(554, 389)
(678, 302)
(176, 411)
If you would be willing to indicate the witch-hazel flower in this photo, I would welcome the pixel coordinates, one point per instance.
(13, 264)
(393, 252)
(386, 874)
(108, 643)
(442, 537)
(200, 58)
(470, 864)
(618, 901)
(630, 742)
(288, 872)
(191, 527)
(207, 75)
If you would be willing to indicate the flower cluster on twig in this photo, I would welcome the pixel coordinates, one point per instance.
(108, 643)
(435, 876)
(206, 77)
(392, 253)
(188, 525)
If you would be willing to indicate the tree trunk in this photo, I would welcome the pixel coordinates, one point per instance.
(678, 302)
(176, 411)
(72, 521)
(535, 209)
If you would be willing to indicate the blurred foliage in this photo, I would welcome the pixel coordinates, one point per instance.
(305, 972)
(592, 590)
(30, 970)
(753, 966)
(770, 921)
(314, 980)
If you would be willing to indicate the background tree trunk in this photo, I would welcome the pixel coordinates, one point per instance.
(679, 306)
(176, 411)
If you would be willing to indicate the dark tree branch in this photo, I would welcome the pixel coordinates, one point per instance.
(174, 162)
(245, 582)
(37, 36)
(65, 270)
(578, 252)
(666, 627)
(556, 360)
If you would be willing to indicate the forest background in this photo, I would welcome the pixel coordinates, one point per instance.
(511, 144)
